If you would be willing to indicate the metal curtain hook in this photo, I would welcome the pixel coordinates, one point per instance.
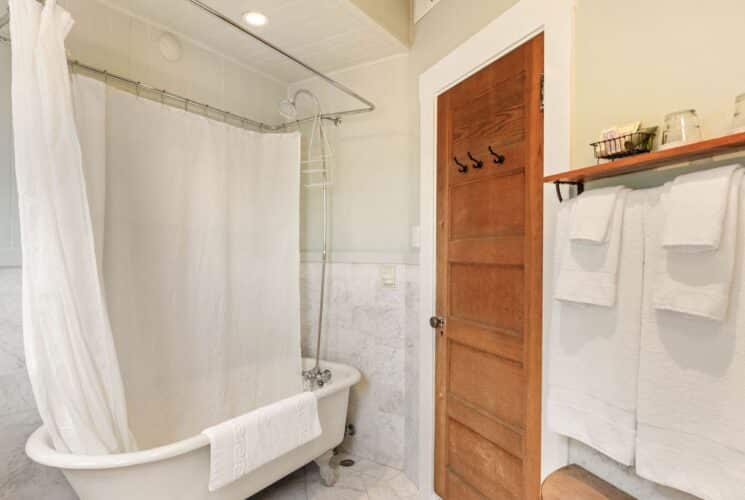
(462, 167)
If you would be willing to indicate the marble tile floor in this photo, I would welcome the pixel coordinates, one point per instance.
(365, 480)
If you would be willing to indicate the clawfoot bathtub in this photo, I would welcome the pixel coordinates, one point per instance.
(180, 470)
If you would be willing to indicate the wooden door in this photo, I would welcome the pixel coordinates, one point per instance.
(489, 260)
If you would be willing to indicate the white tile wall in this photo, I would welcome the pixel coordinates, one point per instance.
(366, 326)
(412, 374)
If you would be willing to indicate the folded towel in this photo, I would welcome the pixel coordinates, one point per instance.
(593, 357)
(691, 430)
(696, 208)
(698, 283)
(244, 444)
(588, 272)
(593, 213)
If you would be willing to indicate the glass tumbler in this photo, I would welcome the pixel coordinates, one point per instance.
(738, 120)
(681, 127)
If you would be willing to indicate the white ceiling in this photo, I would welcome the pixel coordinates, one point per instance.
(326, 34)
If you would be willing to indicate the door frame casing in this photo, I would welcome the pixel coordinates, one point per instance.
(523, 21)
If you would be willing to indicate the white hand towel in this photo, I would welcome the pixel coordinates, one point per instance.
(588, 272)
(244, 444)
(698, 283)
(593, 213)
(696, 206)
(594, 351)
(691, 430)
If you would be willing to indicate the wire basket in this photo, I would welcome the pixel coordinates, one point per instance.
(626, 145)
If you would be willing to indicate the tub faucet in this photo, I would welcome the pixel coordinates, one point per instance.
(317, 377)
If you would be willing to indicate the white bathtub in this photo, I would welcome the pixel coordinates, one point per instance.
(180, 471)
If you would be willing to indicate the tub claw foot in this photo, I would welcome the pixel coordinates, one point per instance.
(328, 474)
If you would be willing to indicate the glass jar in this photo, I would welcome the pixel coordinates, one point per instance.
(681, 127)
(738, 120)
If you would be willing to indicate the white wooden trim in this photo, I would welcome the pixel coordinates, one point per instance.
(555, 18)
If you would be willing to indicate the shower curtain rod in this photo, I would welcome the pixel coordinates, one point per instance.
(185, 101)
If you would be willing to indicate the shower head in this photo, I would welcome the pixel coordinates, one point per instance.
(288, 107)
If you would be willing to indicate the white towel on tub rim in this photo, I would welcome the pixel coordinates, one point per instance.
(594, 350)
(691, 403)
(243, 444)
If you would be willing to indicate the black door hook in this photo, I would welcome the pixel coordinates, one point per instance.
(498, 158)
(462, 167)
(476, 162)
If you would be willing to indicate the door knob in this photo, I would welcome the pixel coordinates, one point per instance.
(436, 322)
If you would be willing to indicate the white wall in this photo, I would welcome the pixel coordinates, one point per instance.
(372, 209)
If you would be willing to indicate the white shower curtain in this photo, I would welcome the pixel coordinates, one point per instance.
(184, 230)
(201, 259)
(70, 353)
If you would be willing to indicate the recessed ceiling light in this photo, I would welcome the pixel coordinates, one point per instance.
(255, 18)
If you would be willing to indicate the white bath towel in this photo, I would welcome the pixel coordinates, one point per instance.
(698, 283)
(244, 444)
(588, 272)
(594, 351)
(696, 209)
(593, 213)
(691, 429)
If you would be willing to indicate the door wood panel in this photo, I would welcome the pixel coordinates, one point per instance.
(489, 274)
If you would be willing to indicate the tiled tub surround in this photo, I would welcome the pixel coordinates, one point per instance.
(365, 325)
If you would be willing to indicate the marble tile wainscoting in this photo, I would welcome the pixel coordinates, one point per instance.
(367, 325)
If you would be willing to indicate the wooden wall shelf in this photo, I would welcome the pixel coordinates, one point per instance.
(648, 161)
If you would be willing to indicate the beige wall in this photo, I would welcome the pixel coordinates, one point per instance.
(445, 27)
(393, 15)
(638, 60)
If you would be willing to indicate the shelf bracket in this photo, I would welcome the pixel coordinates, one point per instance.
(580, 188)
